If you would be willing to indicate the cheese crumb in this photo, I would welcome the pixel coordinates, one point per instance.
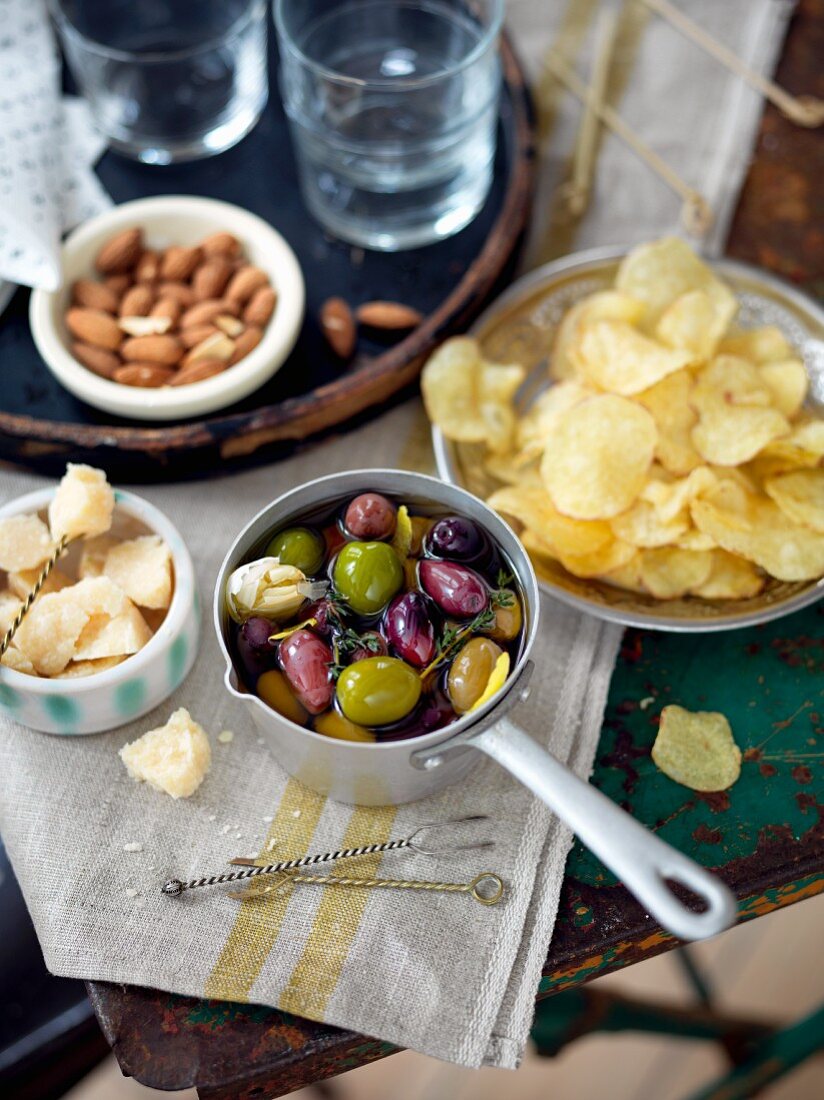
(225, 736)
(173, 758)
(25, 543)
(82, 505)
(133, 847)
(131, 893)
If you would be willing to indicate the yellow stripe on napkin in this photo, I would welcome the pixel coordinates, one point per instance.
(337, 920)
(258, 922)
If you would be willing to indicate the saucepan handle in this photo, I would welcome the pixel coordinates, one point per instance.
(642, 861)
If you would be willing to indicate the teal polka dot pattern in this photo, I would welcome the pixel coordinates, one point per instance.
(178, 653)
(9, 697)
(62, 709)
(128, 697)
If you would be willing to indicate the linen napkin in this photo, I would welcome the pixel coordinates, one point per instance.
(47, 146)
(434, 972)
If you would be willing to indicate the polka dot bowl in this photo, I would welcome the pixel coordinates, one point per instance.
(106, 700)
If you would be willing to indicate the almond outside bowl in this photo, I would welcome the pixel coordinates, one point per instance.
(393, 772)
(106, 700)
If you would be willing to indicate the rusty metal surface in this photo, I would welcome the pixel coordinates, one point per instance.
(766, 838)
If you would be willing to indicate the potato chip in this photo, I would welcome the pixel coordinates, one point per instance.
(695, 540)
(536, 426)
(668, 402)
(731, 578)
(509, 469)
(800, 495)
(670, 573)
(759, 345)
(611, 305)
(641, 526)
(672, 498)
(729, 382)
(787, 381)
(588, 563)
(735, 435)
(627, 576)
(660, 272)
(697, 749)
(599, 457)
(469, 399)
(804, 446)
(533, 508)
(617, 358)
(25, 542)
(691, 323)
(757, 529)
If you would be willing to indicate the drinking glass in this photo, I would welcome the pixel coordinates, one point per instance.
(393, 107)
(167, 80)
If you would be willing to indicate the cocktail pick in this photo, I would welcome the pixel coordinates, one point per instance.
(486, 888)
(25, 607)
(251, 869)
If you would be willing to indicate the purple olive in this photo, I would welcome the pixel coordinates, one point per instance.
(373, 645)
(321, 611)
(455, 537)
(457, 590)
(408, 626)
(256, 653)
(305, 658)
(370, 516)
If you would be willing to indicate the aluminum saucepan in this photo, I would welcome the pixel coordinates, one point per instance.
(393, 772)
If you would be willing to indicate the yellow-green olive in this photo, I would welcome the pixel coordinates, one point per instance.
(298, 546)
(508, 616)
(470, 672)
(367, 575)
(378, 691)
(273, 688)
(332, 724)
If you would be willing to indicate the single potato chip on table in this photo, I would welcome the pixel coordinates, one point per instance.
(697, 749)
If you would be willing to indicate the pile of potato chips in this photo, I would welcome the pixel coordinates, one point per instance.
(673, 454)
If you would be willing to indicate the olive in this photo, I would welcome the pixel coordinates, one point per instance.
(372, 645)
(508, 617)
(470, 672)
(370, 516)
(456, 589)
(305, 658)
(273, 688)
(455, 537)
(378, 691)
(255, 651)
(298, 546)
(420, 526)
(409, 628)
(367, 575)
(332, 724)
(323, 614)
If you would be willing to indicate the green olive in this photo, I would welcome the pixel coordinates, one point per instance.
(378, 691)
(470, 672)
(332, 724)
(508, 617)
(298, 546)
(273, 688)
(367, 575)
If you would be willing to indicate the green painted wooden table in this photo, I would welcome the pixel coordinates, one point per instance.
(765, 837)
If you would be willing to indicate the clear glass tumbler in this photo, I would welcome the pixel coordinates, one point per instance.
(168, 80)
(393, 107)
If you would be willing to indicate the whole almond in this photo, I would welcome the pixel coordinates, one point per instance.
(179, 291)
(120, 253)
(261, 307)
(178, 263)
(230, 325)
(166, 307)
(203, 313)
(245, 282)
(221, 244)
(217, 346)
(145, 326)
(165, 351)
(86, 292)
(338, 326)
(388, 315)
(248, 339)
(146, 375)
(93, 326)
(196, 372)
(147, 269)
(118, 284)
(195, 334)
(98, 360)
(210, 278)
(137, 301)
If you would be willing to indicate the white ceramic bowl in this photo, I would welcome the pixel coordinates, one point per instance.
(121, 694)
(167, 220)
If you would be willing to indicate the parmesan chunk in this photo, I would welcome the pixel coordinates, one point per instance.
(22, 582)
(93, 555)
(82, 505)
(16, 659)
(9, 605)
(76, 669)
(173, 758)
(25, 542)
(142, 567)
(116, 636)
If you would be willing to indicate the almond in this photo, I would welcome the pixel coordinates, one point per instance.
(230, 325)
(147, 268)
(205, 312)
(246, 342)
(245, 282)
(338, 326)
(101, 362)
(120, 253)
(119, 284)
(179, 291)
(221, 244)
(166, 307)
(388, 315)
(195, 334)
(145, 326)
(261, 307)
(217, 346)
(178, 263)
(196, 372)
(86, 292)
(163, 350)
(210, 279)
(147, 375)
(93, 326)
(137, 301)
